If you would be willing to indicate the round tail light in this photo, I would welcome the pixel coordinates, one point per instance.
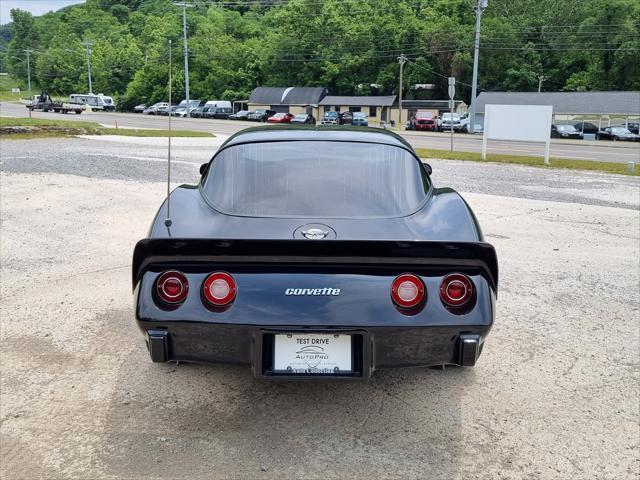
(456, 290)
(407, 291)
(172, 287)
(219, 289)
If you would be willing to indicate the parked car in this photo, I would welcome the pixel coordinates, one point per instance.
(617, 133)
(423, 121)
(448, 121)
(398, 273)
(198, 112)
(153, 109)
(346, 118)
(359, 119)
(303, 118)
(182, 109)
(260, 115)
(586, 127)
(218, 112)
(280, 118)
(330, 118)
(140, 108)
(566, 131)
(240, 115)
(167, 109)
(634, 127)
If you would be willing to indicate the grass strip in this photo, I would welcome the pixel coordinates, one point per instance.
(554, 162)
(41, 122)
(58, 128)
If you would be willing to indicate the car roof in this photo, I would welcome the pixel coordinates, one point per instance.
(316, 133)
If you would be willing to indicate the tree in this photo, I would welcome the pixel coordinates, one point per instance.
(349, 46)
(24, 36)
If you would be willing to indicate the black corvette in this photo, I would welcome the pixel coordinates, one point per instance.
(313, 252)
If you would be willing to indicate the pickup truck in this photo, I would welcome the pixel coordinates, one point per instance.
(423, 120)
(447, 122)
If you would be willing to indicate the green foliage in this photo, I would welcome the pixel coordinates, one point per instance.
(349, 46)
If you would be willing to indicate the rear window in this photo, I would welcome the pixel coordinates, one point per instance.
(315, 179)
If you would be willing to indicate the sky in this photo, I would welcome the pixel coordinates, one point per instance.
(37, 7)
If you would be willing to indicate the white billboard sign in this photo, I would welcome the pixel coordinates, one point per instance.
(525, 123)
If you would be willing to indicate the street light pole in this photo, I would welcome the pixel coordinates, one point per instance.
(88, 47)
(481, 5)
(184, 6)
(402, 59)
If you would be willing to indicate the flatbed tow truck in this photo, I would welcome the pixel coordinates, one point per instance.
(45, 103)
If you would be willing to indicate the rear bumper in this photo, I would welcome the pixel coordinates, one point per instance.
(251, 345)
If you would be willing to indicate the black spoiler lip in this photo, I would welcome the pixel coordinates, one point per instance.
(356, 252)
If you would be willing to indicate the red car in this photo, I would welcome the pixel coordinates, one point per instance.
(424, 121)
(281, 118)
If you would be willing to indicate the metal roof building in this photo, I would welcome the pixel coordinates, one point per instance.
(359, 101)
(568, 103)
(287, 96)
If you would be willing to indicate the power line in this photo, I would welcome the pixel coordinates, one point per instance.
(442, 75)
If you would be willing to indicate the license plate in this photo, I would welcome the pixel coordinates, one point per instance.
(312, 353)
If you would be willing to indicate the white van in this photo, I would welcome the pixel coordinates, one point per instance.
(96, 102)
(218, 104)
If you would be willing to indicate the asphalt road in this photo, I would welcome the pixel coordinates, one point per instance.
(554, 395)
(583, 150)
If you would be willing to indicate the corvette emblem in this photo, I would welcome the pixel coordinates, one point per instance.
(315, 234)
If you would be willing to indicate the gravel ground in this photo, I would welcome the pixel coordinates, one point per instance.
(555, 394)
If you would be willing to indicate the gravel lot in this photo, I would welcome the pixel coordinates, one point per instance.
(555, 394)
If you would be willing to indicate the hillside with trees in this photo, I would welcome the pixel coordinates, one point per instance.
(350, 46)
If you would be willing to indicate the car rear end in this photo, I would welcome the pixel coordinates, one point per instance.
(298, 309)
(315, 253)
(330, 118)
(359, 120)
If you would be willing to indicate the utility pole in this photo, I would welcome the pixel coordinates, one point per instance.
(452, 104)
(88, 44)
(184, 6)
(29, 52)
(402, 59)
(540, 80)
(480, 6)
